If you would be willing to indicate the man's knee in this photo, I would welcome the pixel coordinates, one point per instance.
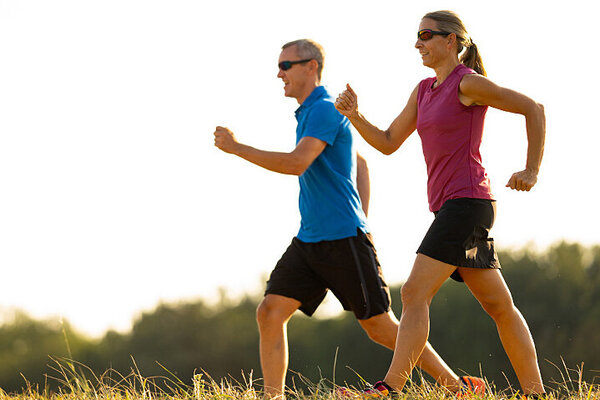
(265, 312)
(275, 310)
(411, 293)
(378, 335)
(381, 329)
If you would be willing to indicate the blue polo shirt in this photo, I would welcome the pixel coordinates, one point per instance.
(329, 204)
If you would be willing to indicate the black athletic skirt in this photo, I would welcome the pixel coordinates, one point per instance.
(459, 235)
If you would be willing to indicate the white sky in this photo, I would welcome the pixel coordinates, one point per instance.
(113, 197)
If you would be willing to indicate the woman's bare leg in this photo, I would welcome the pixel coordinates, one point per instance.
(425, 279)
(490, 289)
(383, 329)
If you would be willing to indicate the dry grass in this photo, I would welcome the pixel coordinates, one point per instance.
(77, 382)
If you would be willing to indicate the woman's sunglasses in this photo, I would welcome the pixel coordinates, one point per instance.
(285, 65)
(426, 34)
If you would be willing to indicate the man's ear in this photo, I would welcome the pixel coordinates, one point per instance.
(314, 65)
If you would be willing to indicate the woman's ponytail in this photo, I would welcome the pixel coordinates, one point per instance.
(472, 59)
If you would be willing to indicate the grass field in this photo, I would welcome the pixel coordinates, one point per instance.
(77, 382)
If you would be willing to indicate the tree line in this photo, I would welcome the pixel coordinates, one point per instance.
(558, 292)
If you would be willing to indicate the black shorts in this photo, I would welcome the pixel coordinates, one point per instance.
(459, 235)
(348, 267)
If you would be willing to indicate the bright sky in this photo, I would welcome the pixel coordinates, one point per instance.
(113, 197)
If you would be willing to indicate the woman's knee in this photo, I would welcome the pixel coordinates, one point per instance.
(426, 278)
(499, 307)
(490, 289)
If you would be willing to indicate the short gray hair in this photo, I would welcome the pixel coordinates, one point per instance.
(309, 49)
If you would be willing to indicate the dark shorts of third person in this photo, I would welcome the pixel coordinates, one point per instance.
(348, 267)
(459, 235)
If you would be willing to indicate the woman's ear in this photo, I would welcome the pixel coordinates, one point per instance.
(452, 39)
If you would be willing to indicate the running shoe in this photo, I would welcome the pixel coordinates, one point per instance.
(470, 385)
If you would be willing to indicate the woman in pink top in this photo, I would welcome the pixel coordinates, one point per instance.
(448, 111)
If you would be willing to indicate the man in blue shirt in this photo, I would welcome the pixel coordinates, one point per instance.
(333, 249)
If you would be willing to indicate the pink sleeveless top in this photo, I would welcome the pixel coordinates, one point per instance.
(451, 135)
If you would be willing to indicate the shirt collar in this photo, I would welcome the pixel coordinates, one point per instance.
(315, 95)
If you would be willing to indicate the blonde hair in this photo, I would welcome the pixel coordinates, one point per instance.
(448, 21)
(309, 49)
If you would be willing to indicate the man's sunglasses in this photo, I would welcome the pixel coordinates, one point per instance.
(426, 34)
(285, 65)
